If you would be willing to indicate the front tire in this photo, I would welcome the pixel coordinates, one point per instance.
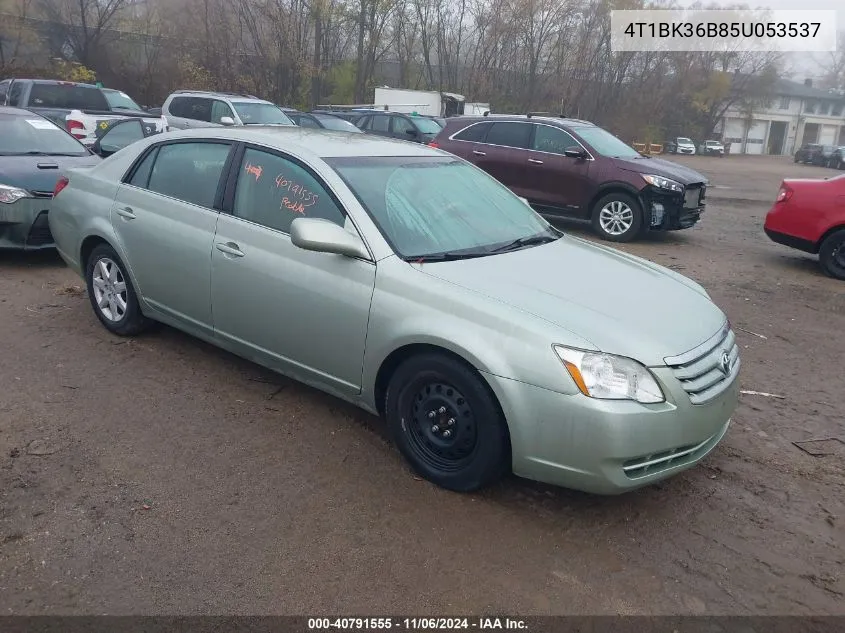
(111, 293)
(447, 423)
(832, 254)
(617, 217)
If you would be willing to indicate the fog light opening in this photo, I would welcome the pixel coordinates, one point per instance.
(657, 214)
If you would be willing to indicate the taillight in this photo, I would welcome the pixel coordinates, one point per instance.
(784, 193)
(77, 128)
(434, 144)
(61, 184)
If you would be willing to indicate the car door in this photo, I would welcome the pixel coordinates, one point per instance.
(504, 153)
(176, 112)
(467, 143)
(553, 180)
(165, 216)
(301, 312)
(404, 129)
(378, 124)
(220, 109)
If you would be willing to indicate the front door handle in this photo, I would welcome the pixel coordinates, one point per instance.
(229, 248)
(127, 213)
(535, 161)
(477, 153)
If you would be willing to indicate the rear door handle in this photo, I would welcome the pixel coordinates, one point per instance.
(477, 153)
(535, 161)
(229, 248)
(127, 213)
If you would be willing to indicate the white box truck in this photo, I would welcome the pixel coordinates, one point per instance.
(429, 102)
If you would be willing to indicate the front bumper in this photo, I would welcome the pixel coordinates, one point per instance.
(24, 226)
(669, 211)
(609, 447)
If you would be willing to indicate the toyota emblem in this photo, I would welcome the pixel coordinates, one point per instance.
(725, 363)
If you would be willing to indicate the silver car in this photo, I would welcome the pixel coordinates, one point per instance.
(410, 283)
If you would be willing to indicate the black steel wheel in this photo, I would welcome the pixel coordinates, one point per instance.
(447, 423)
(832, 254)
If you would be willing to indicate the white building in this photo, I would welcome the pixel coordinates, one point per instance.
(797, 114)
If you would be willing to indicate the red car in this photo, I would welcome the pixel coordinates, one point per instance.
(809, 214)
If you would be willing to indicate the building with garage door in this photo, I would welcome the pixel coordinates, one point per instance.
(798, 113)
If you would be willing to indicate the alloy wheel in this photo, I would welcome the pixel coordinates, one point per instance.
(109, 288)
(616, 217)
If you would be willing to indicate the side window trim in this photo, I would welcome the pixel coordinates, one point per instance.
(221, 183)
(232, 183)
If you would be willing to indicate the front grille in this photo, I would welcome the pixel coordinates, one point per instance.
(39, 233)
(693, 196)
(709, 369)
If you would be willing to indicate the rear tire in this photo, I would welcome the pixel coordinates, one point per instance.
(446, 422)
(832, 254)
(111, 293)
(617, 217)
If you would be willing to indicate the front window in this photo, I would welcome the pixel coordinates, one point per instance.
(606, 144)
(120, 100)
(440, 206)
(31, 134)
(261, 114)
(427, 126)
(684, 141)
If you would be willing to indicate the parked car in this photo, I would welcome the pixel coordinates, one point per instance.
(79, 108)
(809, 153)
(346, 115)
(190, 108)
(404, 280)
(406, 127)
(323, 121)
(680, 145)
(836, 160)
(575, 169)
(809, 215)
(34, 153)
(712, 148)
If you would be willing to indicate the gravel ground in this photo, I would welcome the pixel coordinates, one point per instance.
(163, 476)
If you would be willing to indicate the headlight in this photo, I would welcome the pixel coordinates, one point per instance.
(12, 194)
(609, 377)
(663, 183)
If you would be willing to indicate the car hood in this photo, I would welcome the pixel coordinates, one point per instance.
(619, 303)
(660, 167)
(24, 171)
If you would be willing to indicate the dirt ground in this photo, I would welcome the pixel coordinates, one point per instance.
(162, 476)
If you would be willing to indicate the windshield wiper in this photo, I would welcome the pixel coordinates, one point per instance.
(448, 256)
(522, 242)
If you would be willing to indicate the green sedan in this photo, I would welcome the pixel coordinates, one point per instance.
(412, 284)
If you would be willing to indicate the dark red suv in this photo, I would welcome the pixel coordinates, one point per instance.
(579, 170)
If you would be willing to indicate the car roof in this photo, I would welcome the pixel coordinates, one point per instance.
(543, 118)
(306, 141)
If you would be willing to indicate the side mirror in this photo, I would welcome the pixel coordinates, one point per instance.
(324, 236)
(412, 133)
(227, 120)
(574, 152)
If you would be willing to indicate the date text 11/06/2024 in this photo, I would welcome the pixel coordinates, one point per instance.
(415, 624)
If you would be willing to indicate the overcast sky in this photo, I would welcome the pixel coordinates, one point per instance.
(800, 64)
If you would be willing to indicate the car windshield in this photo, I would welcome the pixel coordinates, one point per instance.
(606, 144)
(334, 123)
(684, 140)
(430, 206)
(712, 143)
(427, 126)
(120, 100)
(261, 114)
(33, 135)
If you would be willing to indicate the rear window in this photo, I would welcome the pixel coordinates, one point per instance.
(474, 133)
(67, 97)
(509, 134)
(32, 134)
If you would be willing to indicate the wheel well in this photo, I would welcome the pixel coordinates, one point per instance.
(88, 245)
(827, 234)
(612, 189)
